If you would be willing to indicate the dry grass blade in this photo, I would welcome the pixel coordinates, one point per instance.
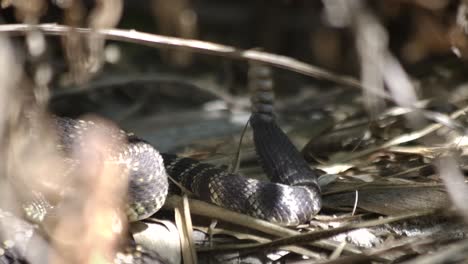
(454, 181)
(454, 253)
(337, 253)
(236, 161)
(405, 138)
(184, 224)
(208, 210)
(243, 236)
(322, 234)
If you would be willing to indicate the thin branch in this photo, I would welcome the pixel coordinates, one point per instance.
(153, 40)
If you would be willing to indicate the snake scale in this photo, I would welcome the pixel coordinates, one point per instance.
(290, 198)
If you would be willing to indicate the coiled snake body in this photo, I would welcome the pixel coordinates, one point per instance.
(291, 198)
